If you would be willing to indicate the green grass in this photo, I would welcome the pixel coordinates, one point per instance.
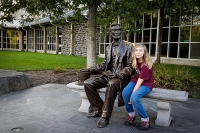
(23, 61)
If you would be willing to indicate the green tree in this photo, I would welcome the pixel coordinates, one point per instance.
(7, 8)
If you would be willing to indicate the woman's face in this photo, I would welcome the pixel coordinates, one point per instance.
(139, 52)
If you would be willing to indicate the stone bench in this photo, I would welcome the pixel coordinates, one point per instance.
(163, 97)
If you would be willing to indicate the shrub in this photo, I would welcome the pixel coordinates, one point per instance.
(59, 70)
(175, 77)
(197, 94)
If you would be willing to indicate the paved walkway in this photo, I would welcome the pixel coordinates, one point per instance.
(52, 108)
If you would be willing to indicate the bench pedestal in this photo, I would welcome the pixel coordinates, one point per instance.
(163, 113)
(84, 103)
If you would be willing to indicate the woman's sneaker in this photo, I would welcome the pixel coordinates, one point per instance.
(144, 125)
(129, 120)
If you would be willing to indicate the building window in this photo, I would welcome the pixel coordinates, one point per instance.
(30, 40)
(0, 39)
(40, 39)
(180, 38)
(195, 34)
(51, 38)
(195, 54)
(60, 40)
(164, 50)
(185, 34)
(184, 50)
(11, 39)
(173, 49)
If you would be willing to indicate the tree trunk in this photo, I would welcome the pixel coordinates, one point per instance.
(91, 35)
(160, 33)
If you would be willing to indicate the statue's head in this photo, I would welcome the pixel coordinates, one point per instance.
(115, 31)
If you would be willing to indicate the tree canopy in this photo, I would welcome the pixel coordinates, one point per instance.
(108, 10)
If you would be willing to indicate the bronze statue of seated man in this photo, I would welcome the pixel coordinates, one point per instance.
(115, 73)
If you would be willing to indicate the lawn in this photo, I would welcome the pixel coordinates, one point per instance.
(23, 61)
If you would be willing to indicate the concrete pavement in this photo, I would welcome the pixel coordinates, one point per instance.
(52, 108)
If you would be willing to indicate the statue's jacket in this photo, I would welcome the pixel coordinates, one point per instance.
(122, 65)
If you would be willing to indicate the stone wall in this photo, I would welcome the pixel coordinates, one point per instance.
(66, 39)
(80, 46)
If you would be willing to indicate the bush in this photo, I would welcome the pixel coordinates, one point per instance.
(59, 70)
(175, 77)
(197, 94)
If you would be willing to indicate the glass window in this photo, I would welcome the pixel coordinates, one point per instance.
(154, 19)
(194, 53)
(146, 35)
(147, 20)
(164, 50)
(40, 39)
(166, 21)
(184, 50)
(11, 39)
(0, 38)
(8, 44)
(153, 49)
(147, 46)
(30, 39)
(195, 34)
(102, 39)
(102, 49)
(60, 30)
(173, 48)
(124, 37)
(51, 38)
(131, 37)
(185, 34)
(165, 35)
(174, 34)
(196, 19)
(139, 37)
(153, 35)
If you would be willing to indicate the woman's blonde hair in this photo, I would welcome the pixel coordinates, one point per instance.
(146, 57)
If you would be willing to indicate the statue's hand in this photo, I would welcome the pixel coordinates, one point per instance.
(83, 70)
(109, 74)
(120, 75)
(113, 75)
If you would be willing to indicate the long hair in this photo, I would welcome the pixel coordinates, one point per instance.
(146, 57)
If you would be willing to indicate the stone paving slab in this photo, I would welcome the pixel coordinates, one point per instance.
(52, 108)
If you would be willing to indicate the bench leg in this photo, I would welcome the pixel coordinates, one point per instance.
(85, 103)
(163, 113)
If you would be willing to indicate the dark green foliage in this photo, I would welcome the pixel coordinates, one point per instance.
(197, 94)
(175, 77)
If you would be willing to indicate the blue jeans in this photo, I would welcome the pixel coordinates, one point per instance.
(135, 98)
